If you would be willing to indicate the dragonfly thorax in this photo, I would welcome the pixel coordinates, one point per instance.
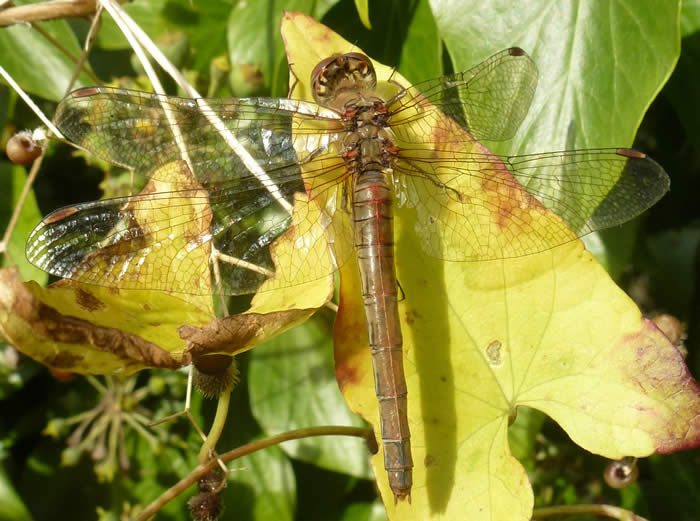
(368, 142)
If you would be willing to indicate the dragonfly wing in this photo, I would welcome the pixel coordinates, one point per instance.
(230, 207)
(482, 207)
(592, 189)
(490, 101)
(162, 240)
(138, 242)
(220, 139)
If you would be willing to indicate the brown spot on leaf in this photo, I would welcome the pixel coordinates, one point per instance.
(88, 301)
(412, 316)
(509, 201)
(62, 359)
(345, 375)
(48, 324)
(71, 330)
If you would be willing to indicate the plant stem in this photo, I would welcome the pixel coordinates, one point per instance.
(217, 427)
(599, 510)
(203, 469)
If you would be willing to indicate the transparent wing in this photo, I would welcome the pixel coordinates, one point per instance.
(490, 101)
(222, 139)
(475, 206)
(236, 203)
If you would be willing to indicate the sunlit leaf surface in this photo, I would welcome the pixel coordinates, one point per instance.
(95, 330)
(101, 330)
(598, 70)
(256, 190)
(548, 330)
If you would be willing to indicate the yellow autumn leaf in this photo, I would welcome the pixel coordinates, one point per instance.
(162, 238)
(99, 329)
(282, 301)
(549, 331)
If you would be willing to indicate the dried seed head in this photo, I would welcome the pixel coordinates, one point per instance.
(205, 506)
(212, 481)
(213, 374)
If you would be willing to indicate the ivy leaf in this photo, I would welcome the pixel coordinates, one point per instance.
(549, 331)
(591, 94)
(131, 247)
(100, 329)
(19, 42)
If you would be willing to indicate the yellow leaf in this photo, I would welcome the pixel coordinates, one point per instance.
(160, 239)
(94, 329)
(283, 300)
(549, 330)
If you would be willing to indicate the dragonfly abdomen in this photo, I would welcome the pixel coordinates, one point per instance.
(374, 243)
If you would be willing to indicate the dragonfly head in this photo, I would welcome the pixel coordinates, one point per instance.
(340, 75)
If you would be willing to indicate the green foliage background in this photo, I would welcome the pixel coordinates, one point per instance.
(234, 49)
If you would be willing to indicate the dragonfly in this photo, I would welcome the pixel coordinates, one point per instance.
(361, 152)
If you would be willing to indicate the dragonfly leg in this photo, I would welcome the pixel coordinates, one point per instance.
(312, 155)
(402, 91)
(403, 294)
(296, 80)
(431, 177)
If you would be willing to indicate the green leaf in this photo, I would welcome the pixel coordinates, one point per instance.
(421, 52)
(254, 40)
(614, 247)
(690, 17)
(12, 181)
(262, 486)
(600, 67)
(677, 477)
(522, 434)
(365, 512)
(674, 257)
(30, 58)
(204, 23)
(292, 386)
(683, 89)
(362, 7)
(11, 506)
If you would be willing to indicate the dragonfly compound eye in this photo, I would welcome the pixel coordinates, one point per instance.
(341, 73)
